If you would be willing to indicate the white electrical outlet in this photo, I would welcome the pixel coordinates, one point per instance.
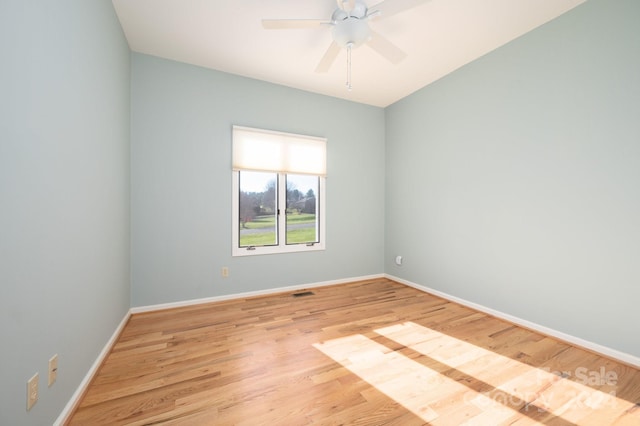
(53, 369)
(32, 391)
(225, 271)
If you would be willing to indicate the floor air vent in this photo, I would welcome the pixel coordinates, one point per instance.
(303, 293)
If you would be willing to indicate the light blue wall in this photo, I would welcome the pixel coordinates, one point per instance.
(64, 195)
(181, 182)
(515, 181)
(512, 183)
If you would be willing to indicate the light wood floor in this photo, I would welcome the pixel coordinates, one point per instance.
(368, 353)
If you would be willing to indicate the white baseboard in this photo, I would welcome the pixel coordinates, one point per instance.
(576, 341)
(151, 308)
(75, 398)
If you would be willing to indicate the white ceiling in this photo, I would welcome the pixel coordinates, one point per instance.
(438, 36)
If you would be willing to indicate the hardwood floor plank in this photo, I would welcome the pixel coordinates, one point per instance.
(373, 352)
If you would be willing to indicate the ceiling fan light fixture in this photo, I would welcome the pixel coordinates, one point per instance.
(351, 31)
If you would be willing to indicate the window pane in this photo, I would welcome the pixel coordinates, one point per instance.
(258, 209)
(302, 208)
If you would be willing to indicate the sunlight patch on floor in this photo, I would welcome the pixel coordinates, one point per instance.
(516, 383)
(516, 388)
(416, 387)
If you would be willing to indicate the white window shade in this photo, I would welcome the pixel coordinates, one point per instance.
(265, 150)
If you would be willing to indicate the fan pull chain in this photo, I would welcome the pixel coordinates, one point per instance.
(349, 45)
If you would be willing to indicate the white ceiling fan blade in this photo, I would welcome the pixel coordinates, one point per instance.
(387, 8)
(329, 58)
(286, 24)
(385, 48)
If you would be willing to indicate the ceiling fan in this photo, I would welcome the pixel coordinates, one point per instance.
(349, 25)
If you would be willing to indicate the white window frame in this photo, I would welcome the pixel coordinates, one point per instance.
(281, 219)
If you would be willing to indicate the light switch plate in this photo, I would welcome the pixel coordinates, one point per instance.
(53, 369)
(32, 391)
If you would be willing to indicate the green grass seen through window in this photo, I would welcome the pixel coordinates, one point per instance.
(294, 236)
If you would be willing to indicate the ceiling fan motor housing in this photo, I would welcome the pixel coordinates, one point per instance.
(351, 28)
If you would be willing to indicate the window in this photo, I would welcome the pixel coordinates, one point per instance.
(278, 192)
